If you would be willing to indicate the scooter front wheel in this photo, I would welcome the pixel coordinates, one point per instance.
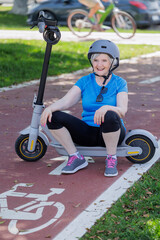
(147, 146)
(21, 148)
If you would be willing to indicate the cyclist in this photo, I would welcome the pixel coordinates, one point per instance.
(94, 6)
(104, 101)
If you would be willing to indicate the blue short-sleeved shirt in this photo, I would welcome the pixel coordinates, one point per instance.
(90, 90)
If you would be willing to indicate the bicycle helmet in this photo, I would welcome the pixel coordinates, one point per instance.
(107, 47)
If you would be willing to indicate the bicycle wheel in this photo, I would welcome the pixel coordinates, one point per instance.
(123, 24)
(14, 229)
(148, 149)
(22, 151)
(78, 23)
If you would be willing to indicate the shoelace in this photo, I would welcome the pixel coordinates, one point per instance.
(111, 162)
(70, 160)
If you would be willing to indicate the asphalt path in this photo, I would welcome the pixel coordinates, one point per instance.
(139, 38)
(36, 202)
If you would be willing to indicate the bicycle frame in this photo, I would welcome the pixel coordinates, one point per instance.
(105, 13)
(23, 211)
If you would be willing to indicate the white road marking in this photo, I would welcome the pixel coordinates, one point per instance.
(24, 211)
(57, 171)
(86, 219)
(151, 80)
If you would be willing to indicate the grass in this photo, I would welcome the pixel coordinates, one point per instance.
(136, 215)
(12, 21)
(21, 60)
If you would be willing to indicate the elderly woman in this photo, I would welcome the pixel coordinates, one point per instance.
(104, 101)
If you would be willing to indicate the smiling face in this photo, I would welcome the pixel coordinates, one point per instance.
(101, 64)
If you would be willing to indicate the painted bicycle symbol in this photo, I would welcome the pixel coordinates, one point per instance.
(23, 212)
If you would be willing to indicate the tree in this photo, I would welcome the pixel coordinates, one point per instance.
(20, 7)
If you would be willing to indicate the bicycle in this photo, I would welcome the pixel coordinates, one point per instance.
(122, 23)
(30, 211)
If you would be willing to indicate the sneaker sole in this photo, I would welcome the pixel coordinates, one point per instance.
(110, 175)
(76, 169)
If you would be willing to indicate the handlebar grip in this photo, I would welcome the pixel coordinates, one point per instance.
(41, 26)
(41, 14)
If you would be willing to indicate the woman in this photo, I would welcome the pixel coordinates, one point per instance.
(104, 101)
(94, 6)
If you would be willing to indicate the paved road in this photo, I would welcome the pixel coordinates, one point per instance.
(43, 197)
(65, 198)
(139, 38)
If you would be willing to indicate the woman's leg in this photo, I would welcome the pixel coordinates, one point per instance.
(94, 9)
(68, 130)
(63, 136)
(113, 133)
(111, 141)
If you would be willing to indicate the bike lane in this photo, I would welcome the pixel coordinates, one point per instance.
(77, 191)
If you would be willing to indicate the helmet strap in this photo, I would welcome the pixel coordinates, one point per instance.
(108, 75)
(109, 72)
(105, 77)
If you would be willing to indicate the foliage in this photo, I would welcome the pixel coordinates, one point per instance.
(136, 215)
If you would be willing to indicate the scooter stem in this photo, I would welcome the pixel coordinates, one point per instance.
(38, 105)
(44, 74)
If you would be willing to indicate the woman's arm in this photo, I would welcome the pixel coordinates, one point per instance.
(70, 99)
(120, 109)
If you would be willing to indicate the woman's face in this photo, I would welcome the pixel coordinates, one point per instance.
(101, 64)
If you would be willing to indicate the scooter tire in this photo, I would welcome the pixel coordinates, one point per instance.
(22, 151)
(147, 146)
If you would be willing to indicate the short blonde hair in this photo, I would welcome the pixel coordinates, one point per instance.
(95, 55)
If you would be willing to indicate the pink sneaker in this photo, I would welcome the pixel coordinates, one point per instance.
(111, 167)
(74, 164)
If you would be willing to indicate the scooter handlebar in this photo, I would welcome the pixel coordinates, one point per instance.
(41, 26)
(41, 22)
(51, 33)
(41, 14)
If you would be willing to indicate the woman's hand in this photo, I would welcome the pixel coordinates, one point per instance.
(99, 114)
(46, 115)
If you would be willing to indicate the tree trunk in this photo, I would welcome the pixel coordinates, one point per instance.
(20, 7)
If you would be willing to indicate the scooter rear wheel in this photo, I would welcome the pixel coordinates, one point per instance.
(147, 146)
(22, 151)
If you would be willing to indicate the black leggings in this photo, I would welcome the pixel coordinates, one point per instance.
(83, 134)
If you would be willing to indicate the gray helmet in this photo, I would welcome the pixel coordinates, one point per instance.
(104, 46)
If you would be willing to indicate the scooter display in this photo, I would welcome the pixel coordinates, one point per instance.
(139, 145)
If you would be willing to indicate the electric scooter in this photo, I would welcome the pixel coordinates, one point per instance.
(138, 146)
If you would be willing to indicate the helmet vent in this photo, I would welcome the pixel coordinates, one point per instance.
(103, 46)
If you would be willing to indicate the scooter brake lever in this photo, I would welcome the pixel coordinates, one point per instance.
(34, 24)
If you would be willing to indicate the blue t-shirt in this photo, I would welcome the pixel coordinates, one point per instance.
(90, 90)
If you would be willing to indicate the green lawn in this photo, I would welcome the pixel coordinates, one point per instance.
(136, 215)
(21, 60)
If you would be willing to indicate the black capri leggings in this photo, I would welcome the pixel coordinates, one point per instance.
(83, 134)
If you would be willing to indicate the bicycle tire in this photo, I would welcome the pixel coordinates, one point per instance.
(78, 23)
(123, 24)
(12, 226)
